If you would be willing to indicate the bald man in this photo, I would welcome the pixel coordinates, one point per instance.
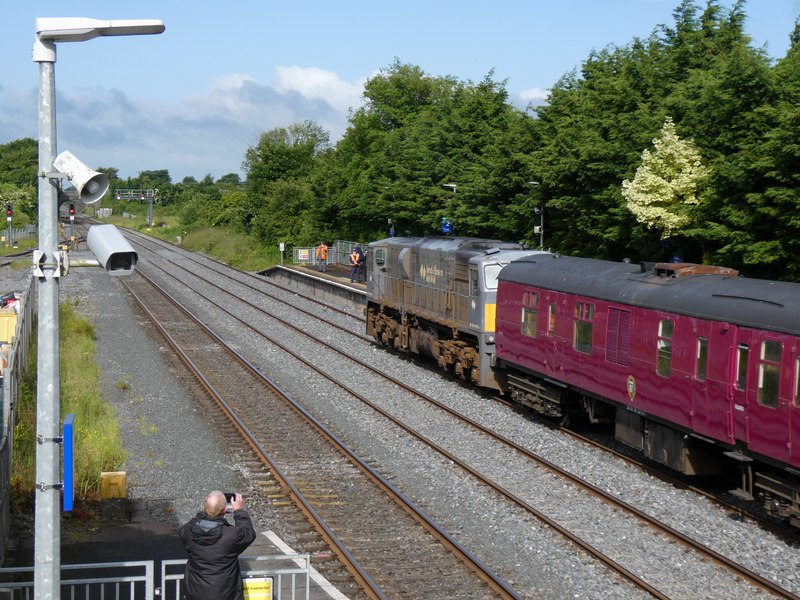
(213, 546)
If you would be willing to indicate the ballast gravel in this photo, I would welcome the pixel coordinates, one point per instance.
(176, 456)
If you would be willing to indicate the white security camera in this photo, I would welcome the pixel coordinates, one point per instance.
(112, 250)
(90, 184)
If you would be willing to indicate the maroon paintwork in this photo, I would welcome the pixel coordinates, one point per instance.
(629, 304)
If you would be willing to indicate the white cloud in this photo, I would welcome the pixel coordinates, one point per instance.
(204, 132)
(315, 83)
(534, 95)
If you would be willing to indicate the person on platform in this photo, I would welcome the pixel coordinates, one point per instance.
(356, 261)
(322, 256)
(213, 546)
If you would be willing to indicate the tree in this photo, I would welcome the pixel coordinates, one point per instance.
(284, 153)
(667, 181)
(19, 161)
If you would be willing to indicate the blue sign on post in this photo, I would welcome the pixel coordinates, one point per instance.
(447, 226)
(69, 462)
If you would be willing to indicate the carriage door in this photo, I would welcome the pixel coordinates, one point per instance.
(739, 378)
(554, 310)
(377, 279)
(769, 418)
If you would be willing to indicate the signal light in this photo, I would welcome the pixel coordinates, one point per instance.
(71, 210)
(9, 210)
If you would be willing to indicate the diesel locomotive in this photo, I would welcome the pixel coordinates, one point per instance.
(436, 296)
(696, 367)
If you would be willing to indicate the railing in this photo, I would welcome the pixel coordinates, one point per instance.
(115, 581)
(338, 254)
(286, 576)
(290, 575)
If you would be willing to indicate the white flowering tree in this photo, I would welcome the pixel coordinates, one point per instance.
(666, 183)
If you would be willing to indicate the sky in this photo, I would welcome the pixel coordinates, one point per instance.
(194, 98)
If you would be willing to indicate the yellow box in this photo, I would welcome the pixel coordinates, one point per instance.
(113, 484)
(8, 326)
(257, 588)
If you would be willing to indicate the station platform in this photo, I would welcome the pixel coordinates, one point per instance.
(143, 539)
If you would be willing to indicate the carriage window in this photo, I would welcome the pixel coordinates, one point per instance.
(551, 320)
(769, 373)
(582, 335)
(701, 367)
(474, 288)
(742, 353)
(797, 382)
(530, 312)
(664, 361)
(380, 256)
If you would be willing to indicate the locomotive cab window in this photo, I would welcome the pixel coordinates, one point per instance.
(474, 284)
(530, 313)
(490, 275)
(582, 334)
(664, 360)
(380, 256)
(769, 373)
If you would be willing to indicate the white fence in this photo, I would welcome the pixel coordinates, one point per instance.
(285, 576)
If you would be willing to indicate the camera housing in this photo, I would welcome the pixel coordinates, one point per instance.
(112, 250)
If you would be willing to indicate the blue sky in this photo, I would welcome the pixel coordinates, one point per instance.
(194, 98)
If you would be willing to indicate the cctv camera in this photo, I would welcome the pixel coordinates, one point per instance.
(90, 184)
(112, 250)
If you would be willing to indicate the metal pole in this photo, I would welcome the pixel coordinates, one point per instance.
(47, 529)
(541, 228)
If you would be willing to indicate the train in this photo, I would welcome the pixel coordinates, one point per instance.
(696, 367)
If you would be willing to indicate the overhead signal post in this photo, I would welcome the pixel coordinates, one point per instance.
(141, 196)
(48, 266)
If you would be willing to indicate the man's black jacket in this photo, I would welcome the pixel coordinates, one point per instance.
(214, 546)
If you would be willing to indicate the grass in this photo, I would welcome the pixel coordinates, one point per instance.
(98, 446)
(233, 248)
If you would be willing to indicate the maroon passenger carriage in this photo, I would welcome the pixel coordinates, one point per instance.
(694, 365)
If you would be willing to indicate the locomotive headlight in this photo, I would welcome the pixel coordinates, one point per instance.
(490, 338)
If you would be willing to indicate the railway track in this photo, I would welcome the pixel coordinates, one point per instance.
(585, 545)
(389, 546)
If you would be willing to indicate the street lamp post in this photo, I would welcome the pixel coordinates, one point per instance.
(539, 210)
(48, 264)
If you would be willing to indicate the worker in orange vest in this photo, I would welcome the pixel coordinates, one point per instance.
(322, 256)
(356, 261)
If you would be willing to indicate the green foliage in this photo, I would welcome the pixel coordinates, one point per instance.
(667, 180)
(24, 201)
(98, 446)
(238, 250)
(416, 132)
(19, 162)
